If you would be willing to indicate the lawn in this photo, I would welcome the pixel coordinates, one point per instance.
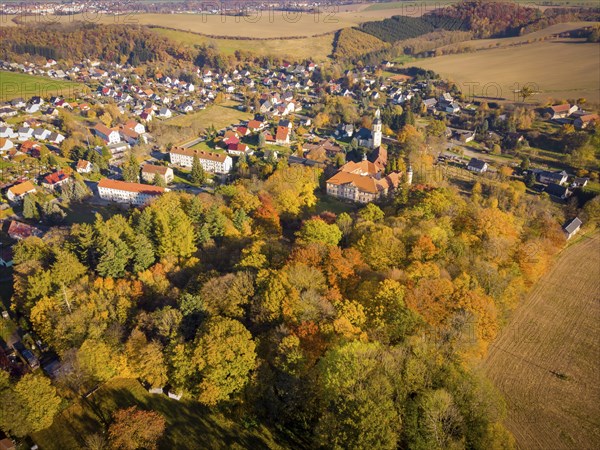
(14, 85)
(85, 212)
(218, 115)
(327, 203)
(207, 146)
(189, 424)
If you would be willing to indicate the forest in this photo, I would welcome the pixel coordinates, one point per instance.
(349, 330)
(76, 42)
(397, 28)
(351, 43)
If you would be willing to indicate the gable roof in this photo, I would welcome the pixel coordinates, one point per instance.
(101, 128)
(361, 168)
(151, 168)
(219, 157)
(477, 163)
(82, 164)
(22, 188)
(282, 133)
(561, 108)
(56, 177)
(130, 187)
(572, 225)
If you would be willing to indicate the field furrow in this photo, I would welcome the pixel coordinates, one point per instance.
(546, 361)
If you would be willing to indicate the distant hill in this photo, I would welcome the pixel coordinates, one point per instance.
(483, 18)
(132, 44)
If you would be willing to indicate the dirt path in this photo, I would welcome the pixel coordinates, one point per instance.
(547, 360)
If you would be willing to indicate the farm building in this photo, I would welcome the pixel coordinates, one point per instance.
(572, 227)
(553, 177)
(477, 165)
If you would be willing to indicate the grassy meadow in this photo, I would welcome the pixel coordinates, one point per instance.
(14, 85)
(189, 424)
(217, 115)
(314, 48)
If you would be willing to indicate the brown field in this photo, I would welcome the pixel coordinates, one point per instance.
(546, 361)
(565, 69)
(265, 24)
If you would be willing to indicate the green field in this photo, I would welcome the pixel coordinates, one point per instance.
(409, 6)
(189, 424)
(14, 85)
(217, 115)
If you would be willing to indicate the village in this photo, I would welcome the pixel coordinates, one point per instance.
(281, 125)
(66, 157)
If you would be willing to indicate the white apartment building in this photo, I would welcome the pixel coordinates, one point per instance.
(211, 162)
(132, 193)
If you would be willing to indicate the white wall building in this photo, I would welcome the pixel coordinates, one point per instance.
(132, 193)
(211, 162)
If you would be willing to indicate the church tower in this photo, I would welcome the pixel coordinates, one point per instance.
(376, 131)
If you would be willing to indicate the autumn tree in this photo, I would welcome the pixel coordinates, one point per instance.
(224, 355)
(293, 188)
(357, 397)
(133, 428)
(317, 230)
(146, 359)
(29, 406)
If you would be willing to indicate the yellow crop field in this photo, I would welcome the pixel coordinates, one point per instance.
(262, 24)
(559, 70)
(546, 361)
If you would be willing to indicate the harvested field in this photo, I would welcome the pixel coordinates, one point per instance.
(547, 360)
(499, 72)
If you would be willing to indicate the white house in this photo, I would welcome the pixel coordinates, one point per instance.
(19, 191)
(572, 227)
(211, 162)
(56, 138)
(149, 171)
(6, 145)
(132, 193)
(83, 166)
(477, 165)
(106, 134)
(165, 113)
(25, 133)
(7, 132)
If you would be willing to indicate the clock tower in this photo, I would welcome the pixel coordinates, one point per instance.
(376, 131)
